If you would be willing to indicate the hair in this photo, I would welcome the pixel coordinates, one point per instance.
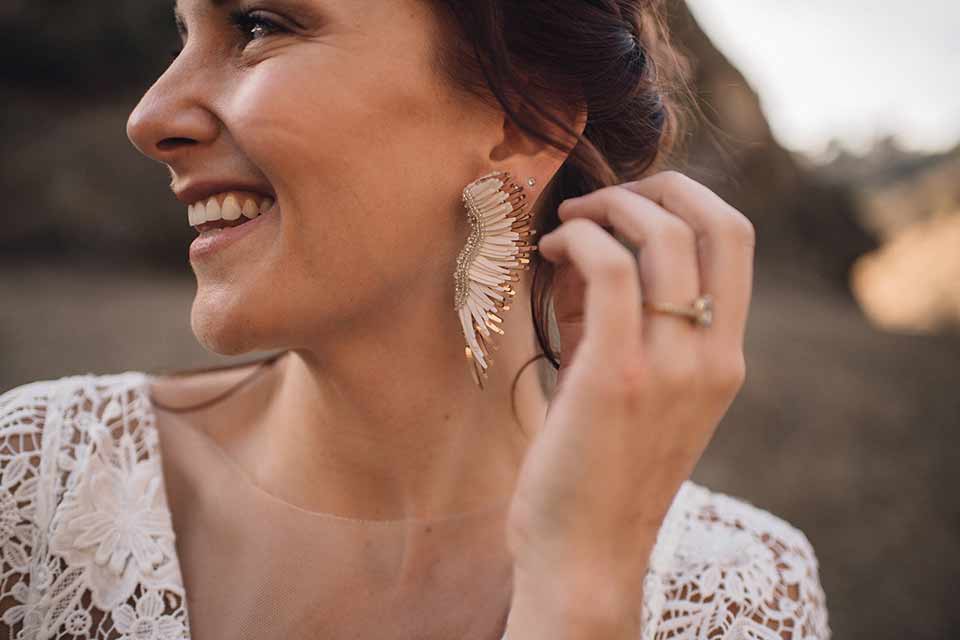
(536, 59)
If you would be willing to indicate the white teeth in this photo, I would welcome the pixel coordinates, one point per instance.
(231, 209)
(213, 210)
(250, 209)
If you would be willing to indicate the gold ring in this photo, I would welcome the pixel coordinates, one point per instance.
(700, 312)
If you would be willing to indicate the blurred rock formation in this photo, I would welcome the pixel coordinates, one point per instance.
(912, 202)
(806, 226)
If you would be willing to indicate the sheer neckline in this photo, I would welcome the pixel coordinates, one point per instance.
(144, 384)
(228, 520)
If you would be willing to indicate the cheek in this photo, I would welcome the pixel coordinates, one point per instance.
(362, 165)
(290, 118)
(366, 175)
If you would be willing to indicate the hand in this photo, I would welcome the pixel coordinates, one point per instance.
(639, 395)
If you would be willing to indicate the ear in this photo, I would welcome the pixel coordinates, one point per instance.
(525, 155)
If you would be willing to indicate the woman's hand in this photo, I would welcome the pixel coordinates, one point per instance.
(639, 394)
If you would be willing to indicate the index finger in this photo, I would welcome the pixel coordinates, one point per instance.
(612, 311)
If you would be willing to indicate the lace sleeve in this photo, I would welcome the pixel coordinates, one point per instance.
(86, 542)
(23, 413)
(723, 569)
(726, 570)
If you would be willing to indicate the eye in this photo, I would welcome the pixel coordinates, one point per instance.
(254, 25)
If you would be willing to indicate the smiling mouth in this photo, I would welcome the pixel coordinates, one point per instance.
(227, 209)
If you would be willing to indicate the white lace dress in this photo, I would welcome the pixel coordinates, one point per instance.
(88, 548)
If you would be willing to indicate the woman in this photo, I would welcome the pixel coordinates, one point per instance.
(383, 475)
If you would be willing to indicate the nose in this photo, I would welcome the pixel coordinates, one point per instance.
(172, 117)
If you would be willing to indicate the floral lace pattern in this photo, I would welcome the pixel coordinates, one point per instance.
(87, 543)
(86, 538)
(726, 570)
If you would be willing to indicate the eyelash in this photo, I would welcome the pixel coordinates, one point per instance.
(246, 22)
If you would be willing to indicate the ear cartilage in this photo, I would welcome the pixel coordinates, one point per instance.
(497, 250)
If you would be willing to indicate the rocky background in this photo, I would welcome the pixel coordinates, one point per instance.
(847, 424)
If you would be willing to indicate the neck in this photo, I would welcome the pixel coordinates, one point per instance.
(387, 423)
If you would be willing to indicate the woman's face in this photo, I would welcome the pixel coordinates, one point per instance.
(334, 110)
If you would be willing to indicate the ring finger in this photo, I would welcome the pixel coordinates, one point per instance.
(667, 256)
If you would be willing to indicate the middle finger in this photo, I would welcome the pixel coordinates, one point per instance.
(668, 260)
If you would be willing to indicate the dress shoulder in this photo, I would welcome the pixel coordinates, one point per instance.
(724, 568)
(86, 538)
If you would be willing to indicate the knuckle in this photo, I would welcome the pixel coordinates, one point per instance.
(675, 179)
(730, 374)
(677, 233)
(740, 227)
(620, 205)
(740, 369)
(750, 237)
(619, 266)
(628, 382)
(619, 202)
(677, 372)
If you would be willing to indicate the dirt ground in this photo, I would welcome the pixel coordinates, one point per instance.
(849, 433)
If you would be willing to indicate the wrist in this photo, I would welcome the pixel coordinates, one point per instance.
(581, 604)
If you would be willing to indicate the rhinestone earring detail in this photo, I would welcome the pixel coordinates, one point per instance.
(497, 250)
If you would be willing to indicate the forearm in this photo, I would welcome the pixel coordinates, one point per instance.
(590, 606)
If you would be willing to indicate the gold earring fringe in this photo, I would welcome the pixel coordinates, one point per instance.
(497, 250)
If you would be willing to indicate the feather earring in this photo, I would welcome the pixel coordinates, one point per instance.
(496, 251)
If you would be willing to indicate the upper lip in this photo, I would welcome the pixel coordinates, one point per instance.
(197, 191)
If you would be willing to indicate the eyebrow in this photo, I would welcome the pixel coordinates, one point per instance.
(178, 17)
(301, 6)
(215, 3)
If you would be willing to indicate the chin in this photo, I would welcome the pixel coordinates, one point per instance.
(223, 328)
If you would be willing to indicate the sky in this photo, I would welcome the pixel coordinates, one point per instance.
(849, 69)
